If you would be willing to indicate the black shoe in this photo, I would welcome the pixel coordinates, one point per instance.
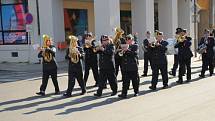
(83, 92)
(179, 82)
(165, 86)
(152, 87)
(97, 95)
(123, 96)
(171, 73)
(113, 93)
(188, 80)
(211, 74)
(57, 92)
(144, 75)
(136, 94)
(41, 93)
(202, 76)
(67, 95)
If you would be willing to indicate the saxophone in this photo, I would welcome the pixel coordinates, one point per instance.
(73, 52)
(47, 56)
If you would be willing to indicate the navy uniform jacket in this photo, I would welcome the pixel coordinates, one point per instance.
(130, 59)
(90, 55)
(146, 45)
(184, 51)
(106, 58)
(52, 65)
(75, 67)
(209, 51)
(158, 53)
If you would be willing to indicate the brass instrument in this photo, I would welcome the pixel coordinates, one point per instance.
(118, 34)
(122, 51)
(47, 56)
(180, 38)
(73, 52)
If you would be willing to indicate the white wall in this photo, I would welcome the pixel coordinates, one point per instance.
(185, 17)
(142, 19)
(168, 17)
(107, 16)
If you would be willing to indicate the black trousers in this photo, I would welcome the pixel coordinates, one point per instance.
(46, 74)
(175, 65)
(104, 76)
(207, 61)
(155, 74)
(184, 64)
(94, 67)
(71, 82)
(130, 76)
(146, 61)
(118, 64)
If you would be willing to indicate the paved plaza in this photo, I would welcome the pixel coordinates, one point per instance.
(194, 101)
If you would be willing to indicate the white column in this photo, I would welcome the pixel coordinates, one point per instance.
(142, 18)
(168, 16)
(107, 16)
(185, 17)
(52, 22)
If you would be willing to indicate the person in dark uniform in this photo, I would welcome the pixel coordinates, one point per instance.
(184, 56)
(146, 53)
(176, 63)
(74, 54)
(158, 61)
(49, 65)
(207, 55)
(118, 61)
(130, 66)
(106, 66)
(91, 60)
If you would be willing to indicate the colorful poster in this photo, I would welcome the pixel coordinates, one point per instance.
(13, 24)
(76, 22)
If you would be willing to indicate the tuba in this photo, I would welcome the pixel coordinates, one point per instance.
(118, 34)
(73, 52)
(47, 56)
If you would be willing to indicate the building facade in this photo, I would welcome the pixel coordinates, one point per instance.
(60, 18)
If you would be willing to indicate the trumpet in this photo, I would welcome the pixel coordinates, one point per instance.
(123, 50)
(73, 52)
(47, 56)
(180, 38)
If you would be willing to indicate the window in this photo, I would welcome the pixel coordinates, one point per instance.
(75, 21)
(12, 22)
(125, 20)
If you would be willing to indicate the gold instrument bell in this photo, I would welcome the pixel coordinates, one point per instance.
(47, 56)
(118, 34)
(73, 52)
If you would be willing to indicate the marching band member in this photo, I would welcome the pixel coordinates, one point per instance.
(130, 66)
(175, 65)
(47, 52)
(91, 61)
(207, 55)
(106, 66)
(158, 61)
(74, 54)
(184, 56)
(146, 53)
